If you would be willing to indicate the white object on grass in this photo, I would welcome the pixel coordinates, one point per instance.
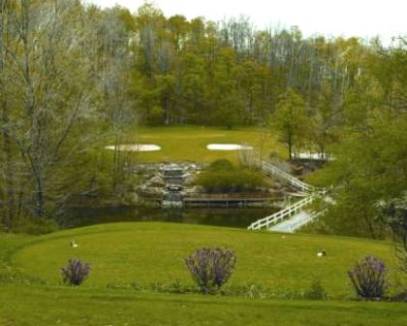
(228, 147)
(135, 148)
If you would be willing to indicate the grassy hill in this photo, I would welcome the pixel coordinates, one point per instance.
(152, 253)
(188, 143)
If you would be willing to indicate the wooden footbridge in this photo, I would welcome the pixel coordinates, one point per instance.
(294, 216)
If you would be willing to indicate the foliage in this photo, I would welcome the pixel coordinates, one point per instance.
(221, 165)
(316, 291)
(65, 99)
(369, 167)
(75, 272)
(395, 215)
(223, 177)
(290, 120)
(211, 267)
(34, 226)
(368, 278)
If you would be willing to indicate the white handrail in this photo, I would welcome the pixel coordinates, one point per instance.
(271, 220)
(287, 212)
(312, 216)
(272, 169)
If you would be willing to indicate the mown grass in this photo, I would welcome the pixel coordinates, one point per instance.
(188, 143)
(146, 253)
(86, 306)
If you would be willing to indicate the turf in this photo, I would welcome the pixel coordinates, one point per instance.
(81, 307)
(189, 143)
(147, 253)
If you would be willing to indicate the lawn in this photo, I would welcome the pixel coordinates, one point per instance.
(146, 253)
(153, 252)
(189, 143)
(34, 306)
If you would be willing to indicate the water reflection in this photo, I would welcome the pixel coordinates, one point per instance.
(232, 217)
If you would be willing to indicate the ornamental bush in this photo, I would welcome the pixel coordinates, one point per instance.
(75, 272)
(368, 277)
(211, 268)
(223, 177)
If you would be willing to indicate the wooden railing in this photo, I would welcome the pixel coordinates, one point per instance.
(269, 221)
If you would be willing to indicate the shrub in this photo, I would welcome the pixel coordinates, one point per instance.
(211, 267)
(221, 165)
(75, 272)
(34, 226)
(400, 297)
(223, 177)
(316, 291)
(369, 278)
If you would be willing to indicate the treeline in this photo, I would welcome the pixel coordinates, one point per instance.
(72, 76)
(228, 73)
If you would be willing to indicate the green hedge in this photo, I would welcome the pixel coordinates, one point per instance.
(223, 177)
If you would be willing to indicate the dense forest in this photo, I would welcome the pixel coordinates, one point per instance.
(73, 75)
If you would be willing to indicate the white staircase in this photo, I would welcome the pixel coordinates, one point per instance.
(295, 223)
(294, 216)
(292, 211)
(271, 169)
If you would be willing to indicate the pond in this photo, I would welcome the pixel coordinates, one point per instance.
(230, 217)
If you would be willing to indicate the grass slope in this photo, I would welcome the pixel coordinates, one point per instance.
(154, 252)
(189, 143)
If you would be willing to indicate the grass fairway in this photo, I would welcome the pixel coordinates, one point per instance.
(189, 143)
(153, 252)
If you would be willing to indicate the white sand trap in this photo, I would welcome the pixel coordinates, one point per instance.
(136, 148)
(228, 147)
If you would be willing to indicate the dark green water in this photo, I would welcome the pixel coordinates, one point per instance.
(231, 217)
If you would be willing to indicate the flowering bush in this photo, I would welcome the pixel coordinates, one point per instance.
(211, 267)
(369, 278)
(75, 272)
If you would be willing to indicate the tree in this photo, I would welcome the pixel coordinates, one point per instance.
(395, 215)
(6, 153)
(370, 166)
(48, 77)
(290, 120)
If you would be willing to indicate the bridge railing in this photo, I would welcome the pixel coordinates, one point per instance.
(273, 170)
(285, 213)
(311, 217)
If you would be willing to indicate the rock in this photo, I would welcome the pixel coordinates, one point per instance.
(157, 181)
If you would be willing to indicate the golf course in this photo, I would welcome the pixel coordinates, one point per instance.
(138, 276)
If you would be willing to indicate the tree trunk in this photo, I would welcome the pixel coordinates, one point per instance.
(8, 169)
(290, 146)
(7, 151)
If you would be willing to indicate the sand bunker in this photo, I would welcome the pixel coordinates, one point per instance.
(135, 148)
(228, 147)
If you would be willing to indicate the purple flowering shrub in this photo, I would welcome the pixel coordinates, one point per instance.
(75, 272)
(211, 267)
(369, 278)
